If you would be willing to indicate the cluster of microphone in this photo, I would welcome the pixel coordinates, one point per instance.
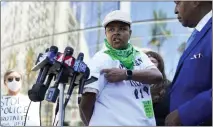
(64, 68)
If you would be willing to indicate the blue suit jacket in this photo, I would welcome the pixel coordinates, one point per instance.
(191, 90)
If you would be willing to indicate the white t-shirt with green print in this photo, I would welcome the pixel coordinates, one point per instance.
(125, 103)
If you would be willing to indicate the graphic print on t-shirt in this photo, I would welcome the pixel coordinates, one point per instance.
(146, 89)
(141, 93)
(139, 88)
(136, 94)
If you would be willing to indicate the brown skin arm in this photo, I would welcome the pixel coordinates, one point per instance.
(86, 107)
(146, 76)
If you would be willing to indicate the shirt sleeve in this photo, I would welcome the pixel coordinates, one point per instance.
(147, 63)
(96, 64)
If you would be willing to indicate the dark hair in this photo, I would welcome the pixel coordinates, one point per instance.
(8, 72)
(160, 62)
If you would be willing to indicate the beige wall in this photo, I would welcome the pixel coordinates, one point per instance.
(27, 29)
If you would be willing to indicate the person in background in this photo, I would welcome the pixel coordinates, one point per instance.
(19, 103)
(191, 88)
(13, 82)
(159, 91)
(121, 96)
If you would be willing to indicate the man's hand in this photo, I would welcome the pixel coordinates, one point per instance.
(114, 74)
(173, 119)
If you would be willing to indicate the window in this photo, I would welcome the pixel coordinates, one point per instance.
(91, 14)
(166, 39)
(94, 39)
(144, 10)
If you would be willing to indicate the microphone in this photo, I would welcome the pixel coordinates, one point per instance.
(82, 83)
(77, 68)
(63, 74)
(58, 63)
(67, 61)
(46, 58)
(38, 90)
(79, 65)
(37, 61)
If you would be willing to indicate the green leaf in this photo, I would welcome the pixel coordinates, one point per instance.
(159, 29)
(155, 15)
(154, 42)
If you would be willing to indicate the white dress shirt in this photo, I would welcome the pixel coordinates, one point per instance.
(203, 21)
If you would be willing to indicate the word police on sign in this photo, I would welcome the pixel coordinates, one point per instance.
(14, 109)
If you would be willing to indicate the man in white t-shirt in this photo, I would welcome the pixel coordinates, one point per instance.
(121, 96)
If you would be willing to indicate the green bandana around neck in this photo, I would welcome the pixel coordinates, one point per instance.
(126, 56)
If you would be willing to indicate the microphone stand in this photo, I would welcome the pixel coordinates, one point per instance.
(61, 104)
(62, 83)
(61, 98)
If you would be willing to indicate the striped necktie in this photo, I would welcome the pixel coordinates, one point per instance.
(191, 38)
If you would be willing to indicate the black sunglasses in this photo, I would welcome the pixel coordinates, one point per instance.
(11, 79)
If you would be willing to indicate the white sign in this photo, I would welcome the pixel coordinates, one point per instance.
(14, 109)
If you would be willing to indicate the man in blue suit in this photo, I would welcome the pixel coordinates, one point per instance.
(191, 89)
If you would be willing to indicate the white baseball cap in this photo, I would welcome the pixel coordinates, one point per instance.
(117, 15)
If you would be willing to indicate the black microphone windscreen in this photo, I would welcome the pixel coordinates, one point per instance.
(68, 51)
(80, 56)
(54, 49)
